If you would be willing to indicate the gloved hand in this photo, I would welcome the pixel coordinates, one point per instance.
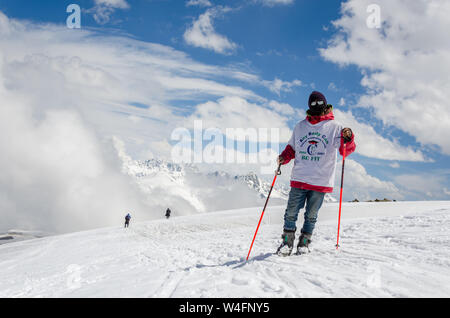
(347, 134)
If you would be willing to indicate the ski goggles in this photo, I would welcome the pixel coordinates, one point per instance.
(317, 102)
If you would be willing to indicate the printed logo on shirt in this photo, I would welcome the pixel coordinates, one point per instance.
(313, 146)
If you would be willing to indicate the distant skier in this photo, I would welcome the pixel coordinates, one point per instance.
(313, 145)
(168, 213)
(127, 220)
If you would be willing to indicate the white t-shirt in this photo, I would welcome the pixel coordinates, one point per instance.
(316, 147)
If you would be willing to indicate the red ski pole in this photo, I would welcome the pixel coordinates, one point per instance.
(340, 198)
(277, 173)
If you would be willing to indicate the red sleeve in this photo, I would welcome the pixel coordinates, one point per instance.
(349, 146)
(288, 154)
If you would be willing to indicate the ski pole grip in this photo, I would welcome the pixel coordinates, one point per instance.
(278, 172)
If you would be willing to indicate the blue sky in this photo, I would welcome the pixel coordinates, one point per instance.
(283, 41)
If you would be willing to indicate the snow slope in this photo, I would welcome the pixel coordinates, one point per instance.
(398, 249)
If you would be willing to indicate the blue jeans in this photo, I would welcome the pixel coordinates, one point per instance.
(297, 199)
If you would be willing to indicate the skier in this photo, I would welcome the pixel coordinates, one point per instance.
(313, 145)
(127, 220)
(168, 213)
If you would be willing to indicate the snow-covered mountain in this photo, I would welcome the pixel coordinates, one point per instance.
(188, 190)
(177, 174)
(255, 183)
(263, 187)
(388, 249)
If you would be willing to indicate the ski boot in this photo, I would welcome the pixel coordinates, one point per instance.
(287, 244)
(303, 244)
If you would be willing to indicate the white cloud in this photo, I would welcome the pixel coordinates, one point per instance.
(200, 3)
(332, 87)
(405, 64)
(59, 175)
(103, 9)
(363, 186)
(373, 145)
(118, 4)
(272, 3)
(283, 108)
(423, 186)
(277, 85)
(236, 112)
(394, 165)
(202, 33)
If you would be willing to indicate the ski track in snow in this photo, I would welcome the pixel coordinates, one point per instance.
(387, 250)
